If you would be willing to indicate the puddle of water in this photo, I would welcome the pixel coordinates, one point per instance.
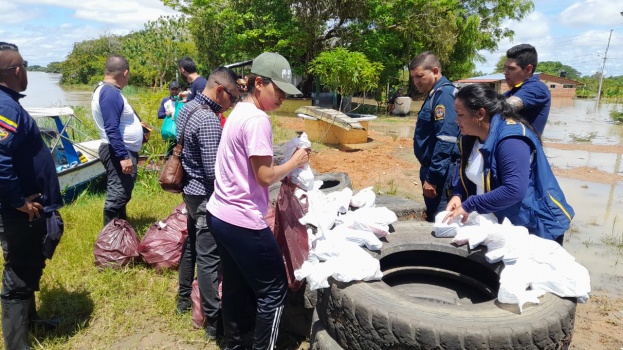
(596, 236)
(567, 159)
(570, 120)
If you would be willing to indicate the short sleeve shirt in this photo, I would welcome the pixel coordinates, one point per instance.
(238, 198)
(196, 87)
(536, 100)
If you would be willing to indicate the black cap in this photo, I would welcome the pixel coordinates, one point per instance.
(174, 85)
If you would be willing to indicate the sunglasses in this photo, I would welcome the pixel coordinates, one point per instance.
(232, 98)
(24, 64)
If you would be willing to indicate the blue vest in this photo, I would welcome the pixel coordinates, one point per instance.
(544, 210)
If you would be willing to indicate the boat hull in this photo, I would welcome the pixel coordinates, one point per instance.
(74, 181)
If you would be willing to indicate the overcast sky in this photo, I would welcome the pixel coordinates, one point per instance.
(572, 32)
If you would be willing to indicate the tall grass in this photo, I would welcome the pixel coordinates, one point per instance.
(113, 308)
(108, 308)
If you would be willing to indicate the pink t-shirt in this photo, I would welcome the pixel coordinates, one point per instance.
(238, 199)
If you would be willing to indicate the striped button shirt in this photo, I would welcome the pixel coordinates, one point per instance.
(202, 134)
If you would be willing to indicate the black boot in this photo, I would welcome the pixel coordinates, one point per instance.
(15, 324)
(123, 213)
(184, 304)
(214, 328)
(37, 323)
(109, 215)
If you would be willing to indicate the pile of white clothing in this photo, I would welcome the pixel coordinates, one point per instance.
(336, 247)
(533, 265)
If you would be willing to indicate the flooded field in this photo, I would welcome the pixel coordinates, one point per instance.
(596, 237)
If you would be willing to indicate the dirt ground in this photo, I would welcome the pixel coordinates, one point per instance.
(388, 164)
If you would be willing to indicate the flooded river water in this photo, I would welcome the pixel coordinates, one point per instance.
(582, 143)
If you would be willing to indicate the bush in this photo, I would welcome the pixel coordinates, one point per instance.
(616, 116)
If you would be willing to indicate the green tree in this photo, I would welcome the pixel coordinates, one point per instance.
(85, 63)
(346, 72)
(390, 32)
(154, 51)
(54, 67)
(499, 67)
(554, 68)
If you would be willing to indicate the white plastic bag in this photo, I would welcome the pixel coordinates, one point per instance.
(375, 220)
(446, 230)
(303, 176)
(363, 198)
(360, 237)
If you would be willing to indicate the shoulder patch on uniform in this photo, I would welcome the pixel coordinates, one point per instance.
(3, 133)
(510, 121)
(7, 124)
(440, 112)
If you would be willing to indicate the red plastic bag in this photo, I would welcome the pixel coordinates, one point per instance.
(178, 221)
(270, 217)
(162, 245)
(290, 233)
(197, 311)
(198, 316)
(181, 208)
(116, 245)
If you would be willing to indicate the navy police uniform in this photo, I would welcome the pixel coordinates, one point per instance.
(435, 144)
(26, 168)
(536, 100)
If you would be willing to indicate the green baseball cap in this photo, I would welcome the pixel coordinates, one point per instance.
(276, 67)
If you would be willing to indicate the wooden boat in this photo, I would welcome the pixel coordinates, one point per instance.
(75, 153)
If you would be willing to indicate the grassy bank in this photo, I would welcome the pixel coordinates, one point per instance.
(117, 309)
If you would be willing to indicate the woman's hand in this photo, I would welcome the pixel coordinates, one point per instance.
(301, 156)
(455, 209)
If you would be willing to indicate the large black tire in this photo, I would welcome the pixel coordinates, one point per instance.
(334, 182)
(438, 296)
(405, 209)
(319, 338)
(297, 313)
